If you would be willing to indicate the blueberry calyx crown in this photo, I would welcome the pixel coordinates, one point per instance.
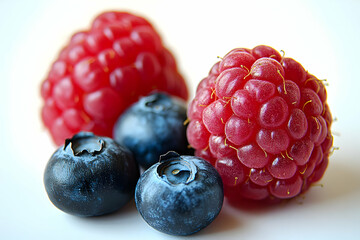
(84, 143)
(156, 102)
(175, 170)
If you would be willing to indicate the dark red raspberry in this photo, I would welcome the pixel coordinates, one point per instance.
(263, 122)
(102, 71)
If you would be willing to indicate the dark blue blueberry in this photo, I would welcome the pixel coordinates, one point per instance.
(180, 195)
(91, 176)
(153, 126)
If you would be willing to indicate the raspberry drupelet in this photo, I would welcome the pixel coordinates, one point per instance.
(102, 71)
(263, 122)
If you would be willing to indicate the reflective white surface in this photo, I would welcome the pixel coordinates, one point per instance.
(322, 35)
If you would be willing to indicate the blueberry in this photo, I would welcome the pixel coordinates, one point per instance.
(90, 176)
(179, 195)
(153, 126)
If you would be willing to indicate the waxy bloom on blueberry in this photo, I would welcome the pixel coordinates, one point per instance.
(180, 195)
(153, 126)
(90, 176)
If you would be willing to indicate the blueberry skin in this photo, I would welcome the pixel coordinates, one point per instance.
(153, 126)
(180, 195)
(90, 176)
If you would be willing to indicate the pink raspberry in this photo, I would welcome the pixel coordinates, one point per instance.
(102, 71)
(263, 122)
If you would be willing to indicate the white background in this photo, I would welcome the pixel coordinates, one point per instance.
(322, 35)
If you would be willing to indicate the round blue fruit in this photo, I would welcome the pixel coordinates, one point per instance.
(153, 126)
(180, 195)
(90, 176)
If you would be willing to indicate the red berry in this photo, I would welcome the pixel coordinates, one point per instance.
(262, 51)
(215, 115)
(199, 137)
(263, 122)
(102, 71)
(252, 156)
(239, 130)
(218, 146)
(232, 171)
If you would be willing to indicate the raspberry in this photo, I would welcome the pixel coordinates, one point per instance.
(104, 70)
(263, 122)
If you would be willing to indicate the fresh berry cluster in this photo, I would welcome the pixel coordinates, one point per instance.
(102, 71)
(259, 118)
(263, 122)
(92, 175)
(120, 64)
